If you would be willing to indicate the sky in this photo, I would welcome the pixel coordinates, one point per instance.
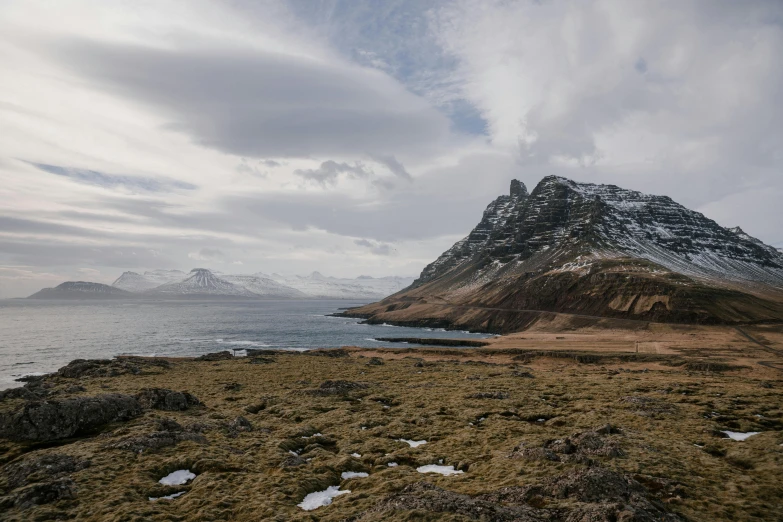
(363, 137)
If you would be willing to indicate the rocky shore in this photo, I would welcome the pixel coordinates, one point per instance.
(396, 434)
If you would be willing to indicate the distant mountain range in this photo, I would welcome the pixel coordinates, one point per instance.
(205, 283)
(591, 251)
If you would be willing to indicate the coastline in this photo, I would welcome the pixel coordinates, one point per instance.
(262, 432)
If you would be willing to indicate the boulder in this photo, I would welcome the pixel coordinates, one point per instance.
(42, 421)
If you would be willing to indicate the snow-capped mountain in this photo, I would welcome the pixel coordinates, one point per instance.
(598, 250)
(135, 282)
(317, 285)
(81, 290)
(263, 286)
(201, 283)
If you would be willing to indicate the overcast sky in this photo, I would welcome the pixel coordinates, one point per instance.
(363, 137)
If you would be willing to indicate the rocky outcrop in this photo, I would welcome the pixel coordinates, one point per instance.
(79, 368)
(42, 421)
(594, 493)
(167, 400)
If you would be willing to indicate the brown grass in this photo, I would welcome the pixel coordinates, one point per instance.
(663, 413)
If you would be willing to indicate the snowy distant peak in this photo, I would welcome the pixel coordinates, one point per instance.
(317, 285)
(561, 217)
(134, 282)
(202, 282)
(265, 287)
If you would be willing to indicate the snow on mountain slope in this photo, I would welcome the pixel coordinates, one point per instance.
(264, 286)
(319, 286)
(561, 217)
(134, 282)
(202, 283)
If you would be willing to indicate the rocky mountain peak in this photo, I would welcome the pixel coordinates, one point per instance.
(561, 217)
(518, 189)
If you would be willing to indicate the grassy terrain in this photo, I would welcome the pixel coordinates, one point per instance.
(665, 414)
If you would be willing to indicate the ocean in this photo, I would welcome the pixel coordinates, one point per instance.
(42, 336)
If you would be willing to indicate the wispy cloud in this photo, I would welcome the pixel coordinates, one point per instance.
(102, 179)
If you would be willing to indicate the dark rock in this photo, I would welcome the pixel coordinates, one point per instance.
(19, 393)
(157, 440)
(110, 367)
(489, 395)
(524, 375)
(261, 360)
(328, 352)
(292, 461)
(240, 424)
(427, 498)
(337, 388)
(216, 356)
(375, 361)
(526, 453)
(75, 388)
(168, 400)
(52, 420)
(431, 341)
(43, 493)
(42, 468)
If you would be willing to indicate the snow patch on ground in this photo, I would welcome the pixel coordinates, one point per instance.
(177, 478)
(317, 499)
(735, 435)
(168, 497)
(353, 474)
(443, 470)
(413, 443)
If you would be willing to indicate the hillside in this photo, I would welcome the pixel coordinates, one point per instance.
(591, 250)
(81, 290)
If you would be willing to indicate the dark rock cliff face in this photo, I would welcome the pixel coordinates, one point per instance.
(597, 250)
(564, 216)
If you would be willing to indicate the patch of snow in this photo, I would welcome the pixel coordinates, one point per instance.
(392, 464)
(317, 499)
(413, 443)
(168, 497)
(354, 474)
(313, 435)
(177, 478)
(356, 455)
(735, 435)
(443, 470)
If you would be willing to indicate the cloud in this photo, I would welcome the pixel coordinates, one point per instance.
(329, 171)
(102, 179)
(207, 254)
(381, 249)
(257, 103)
(394, 166)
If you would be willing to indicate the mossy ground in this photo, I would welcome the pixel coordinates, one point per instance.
(421, 394)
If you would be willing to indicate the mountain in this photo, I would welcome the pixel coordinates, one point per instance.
(81, 290)
(319, 286)
(201, 283)
(591, 250)
(135, 282)
(263, 286)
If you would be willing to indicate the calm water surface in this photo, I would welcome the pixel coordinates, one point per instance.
(42, 336)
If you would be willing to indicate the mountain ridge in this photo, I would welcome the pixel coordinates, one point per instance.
(596, 250)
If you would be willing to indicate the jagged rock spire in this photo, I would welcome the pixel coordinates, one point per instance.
(518, 188)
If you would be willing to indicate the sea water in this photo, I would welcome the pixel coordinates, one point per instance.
(42, 336)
